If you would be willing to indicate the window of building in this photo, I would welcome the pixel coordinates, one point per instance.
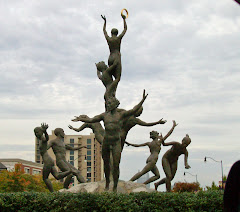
(71, 157)
(72, 162)
(71, 140)
(89, 152)
(36, 171)
(88, 157)
(27, 170)
(88, 163)
(71, 152)
(89, 179)
(88, 174)
(88, 169)
(38, 157)
(88, 146)
(88, 141)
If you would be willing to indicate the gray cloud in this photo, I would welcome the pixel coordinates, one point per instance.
(185, 54)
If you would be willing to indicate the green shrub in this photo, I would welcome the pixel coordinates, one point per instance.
(34, 201)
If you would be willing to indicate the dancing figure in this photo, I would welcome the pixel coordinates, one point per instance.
(154, 147)
(170, 160)
(48, 163)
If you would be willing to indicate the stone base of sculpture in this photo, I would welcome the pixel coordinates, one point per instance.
(98, 187)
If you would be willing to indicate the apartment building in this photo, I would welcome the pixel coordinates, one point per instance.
(87, 160)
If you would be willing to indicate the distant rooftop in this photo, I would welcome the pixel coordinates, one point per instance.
(2, 166)
(18, 160)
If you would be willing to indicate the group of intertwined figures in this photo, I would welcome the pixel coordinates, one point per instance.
(117, 123)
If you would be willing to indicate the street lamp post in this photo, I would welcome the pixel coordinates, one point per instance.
(205, 160)
(195, 175)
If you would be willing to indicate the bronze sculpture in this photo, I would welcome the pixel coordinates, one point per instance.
(59, 149)
(113, 120)
(128, 123)
(114, 43)
(170, 159)
(48, 163)
(155, 147)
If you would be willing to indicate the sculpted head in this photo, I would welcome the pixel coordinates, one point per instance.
(59, 132)
(139, 111)
(154, 134)
(114, 31)
(101, 66)
(38, 132)
(111, 104)
(186, 140)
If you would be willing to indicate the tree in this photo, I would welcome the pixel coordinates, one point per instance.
(18, 181)
(186, 187)
(213, 187)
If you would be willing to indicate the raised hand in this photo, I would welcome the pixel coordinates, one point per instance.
(161, 121)
(123, 16)
(144, 95)
(174, 123)
(44, 126)
(103, 17)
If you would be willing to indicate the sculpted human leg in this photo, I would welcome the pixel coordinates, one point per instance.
(167, 171)
(153, 178)
(146, 169)
(59, 175)
(77, 173)
(116, 155)
(106, 160)
(46, 172)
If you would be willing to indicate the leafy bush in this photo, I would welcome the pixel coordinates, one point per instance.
(17, 181)
(186, 187)
(213, 187)
(158, 201)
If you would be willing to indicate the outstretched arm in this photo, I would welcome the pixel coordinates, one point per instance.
(134, 110)
(137, 145)
(143, 123)
(74, 148)
(104, 27)
(170, 131)
(85, 118)
(75, 129)
(125, 27)
(186, 160)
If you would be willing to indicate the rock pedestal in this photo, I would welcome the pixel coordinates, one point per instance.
(98, 187)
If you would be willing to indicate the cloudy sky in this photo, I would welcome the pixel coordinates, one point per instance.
(184, 53)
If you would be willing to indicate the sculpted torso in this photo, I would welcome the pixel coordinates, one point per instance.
(175, 151)
(114, 44)
(59, 149)
(43, 152)
(112, 126)
(155, 147)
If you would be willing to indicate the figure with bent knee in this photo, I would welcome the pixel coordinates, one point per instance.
(48, 163)
(170, 160)
(59, 148)
(155, 147)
